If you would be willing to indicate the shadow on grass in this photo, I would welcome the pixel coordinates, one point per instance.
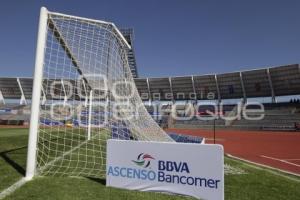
(11, 162)
(98, 180)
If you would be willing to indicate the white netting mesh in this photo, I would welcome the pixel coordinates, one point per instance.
(88, 97)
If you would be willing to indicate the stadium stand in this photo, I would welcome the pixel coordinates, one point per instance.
(270, 82)
(277, 116)
(282, 116)
(12, 114)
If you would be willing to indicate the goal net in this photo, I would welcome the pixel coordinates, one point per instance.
(83, 94)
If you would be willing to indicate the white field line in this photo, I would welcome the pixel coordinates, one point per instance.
(12, 188)
(280, 160)
(292, 159)
(267, 168)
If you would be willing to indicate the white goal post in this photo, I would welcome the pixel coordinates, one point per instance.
(83, 94)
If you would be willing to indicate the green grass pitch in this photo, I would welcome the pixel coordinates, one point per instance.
(256, 183)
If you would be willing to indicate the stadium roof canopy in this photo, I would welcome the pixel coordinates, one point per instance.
(268, 82)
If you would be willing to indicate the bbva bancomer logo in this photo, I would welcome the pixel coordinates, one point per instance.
(171, 172)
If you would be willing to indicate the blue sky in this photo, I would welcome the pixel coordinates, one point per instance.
(172, 37)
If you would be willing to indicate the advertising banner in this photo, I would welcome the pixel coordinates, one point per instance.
(189, 169)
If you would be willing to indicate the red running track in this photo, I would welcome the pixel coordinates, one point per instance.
(276, 149)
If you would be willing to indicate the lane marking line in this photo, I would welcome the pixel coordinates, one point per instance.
(272, 170)
(280, 160)
(292, 159)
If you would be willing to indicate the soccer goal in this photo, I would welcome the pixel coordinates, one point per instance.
(83, 94)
